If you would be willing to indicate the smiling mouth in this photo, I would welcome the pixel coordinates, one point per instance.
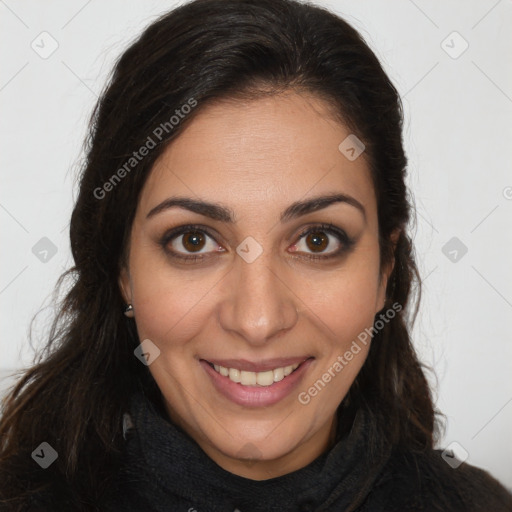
(261, 379)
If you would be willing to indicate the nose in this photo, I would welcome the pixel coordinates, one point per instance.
(258, 303)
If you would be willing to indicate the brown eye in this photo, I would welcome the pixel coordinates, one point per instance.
(317, 241)
(189, 241)
(193, 241)
(322, 242)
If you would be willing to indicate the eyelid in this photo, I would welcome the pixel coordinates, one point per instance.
(325, 227)
(173, 233)
(346, 242)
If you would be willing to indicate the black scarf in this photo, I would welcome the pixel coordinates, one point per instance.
(166, 470)
(163, 469)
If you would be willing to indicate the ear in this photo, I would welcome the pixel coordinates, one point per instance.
(124, 282)
(386, 271)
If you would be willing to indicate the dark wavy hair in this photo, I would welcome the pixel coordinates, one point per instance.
(74, 395)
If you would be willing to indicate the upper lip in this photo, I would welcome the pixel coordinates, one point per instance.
(258, 366)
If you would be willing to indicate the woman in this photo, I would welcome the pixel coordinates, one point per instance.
(243, 204)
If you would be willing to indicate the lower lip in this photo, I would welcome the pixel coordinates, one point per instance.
(256, 396)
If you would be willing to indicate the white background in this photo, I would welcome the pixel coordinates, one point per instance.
(457, 137)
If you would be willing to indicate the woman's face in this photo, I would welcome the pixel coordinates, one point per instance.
(262, 295)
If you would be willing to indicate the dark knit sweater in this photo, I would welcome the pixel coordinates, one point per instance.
(165, 470)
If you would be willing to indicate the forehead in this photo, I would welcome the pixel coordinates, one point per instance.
(253, 154)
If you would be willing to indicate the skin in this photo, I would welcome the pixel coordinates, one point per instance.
(256, 158)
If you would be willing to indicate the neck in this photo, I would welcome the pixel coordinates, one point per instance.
(258, 468)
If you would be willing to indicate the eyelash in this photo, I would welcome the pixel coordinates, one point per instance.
(346, 242)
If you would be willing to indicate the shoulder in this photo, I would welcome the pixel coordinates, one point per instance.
(424, 481)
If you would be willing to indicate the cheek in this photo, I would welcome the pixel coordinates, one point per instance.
(169, 303)
(346, 300)
(165, 314)
(345, 313)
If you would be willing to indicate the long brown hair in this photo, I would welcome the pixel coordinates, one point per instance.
(74, 395)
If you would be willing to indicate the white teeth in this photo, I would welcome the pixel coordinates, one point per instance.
(288, 370)
(278, 374)
(266, 378)
(234, 375)
(247, 378)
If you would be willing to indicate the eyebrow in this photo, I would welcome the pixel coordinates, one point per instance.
(222, 213)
